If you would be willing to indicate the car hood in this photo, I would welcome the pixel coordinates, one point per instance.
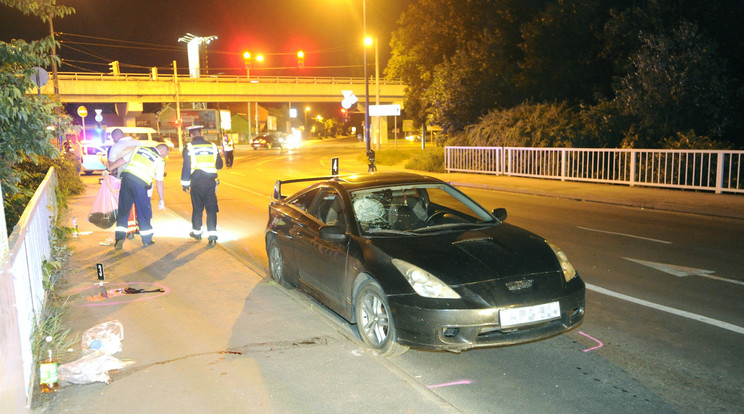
(472, 256)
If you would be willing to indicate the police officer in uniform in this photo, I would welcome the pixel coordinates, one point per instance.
(201, 160)
(145, 165)
(227, 149)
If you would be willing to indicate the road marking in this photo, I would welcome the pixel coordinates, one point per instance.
(626, 235)
(682, 271)
(595, 340)
(684, 314)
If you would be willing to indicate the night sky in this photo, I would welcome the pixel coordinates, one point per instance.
(144, 33)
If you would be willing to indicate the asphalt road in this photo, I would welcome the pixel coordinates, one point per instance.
(663, 299)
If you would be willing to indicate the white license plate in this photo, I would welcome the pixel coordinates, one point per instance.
(529, 314)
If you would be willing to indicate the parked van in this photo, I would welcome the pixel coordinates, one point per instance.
(149, 135)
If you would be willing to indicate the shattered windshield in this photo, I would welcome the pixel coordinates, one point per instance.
(407, 208)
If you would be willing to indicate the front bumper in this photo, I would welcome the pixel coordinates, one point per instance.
(461, 329)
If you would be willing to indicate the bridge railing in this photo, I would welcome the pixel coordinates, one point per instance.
(335, 80)
(708, 170)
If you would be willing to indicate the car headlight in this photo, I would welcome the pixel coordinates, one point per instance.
(569, 272)
(423, 282)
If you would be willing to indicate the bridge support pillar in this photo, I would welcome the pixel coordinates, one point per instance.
(128, 111)
(379, 130)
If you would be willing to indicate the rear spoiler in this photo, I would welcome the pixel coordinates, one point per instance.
(278, 196)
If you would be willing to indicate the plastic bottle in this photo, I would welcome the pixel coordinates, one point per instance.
(74, 227)
(48, 368)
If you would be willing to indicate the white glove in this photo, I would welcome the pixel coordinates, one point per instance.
(161, 205)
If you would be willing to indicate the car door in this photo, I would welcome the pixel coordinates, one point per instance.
(289, 226)
(323, 262)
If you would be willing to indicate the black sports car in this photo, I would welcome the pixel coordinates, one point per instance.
(414, 262)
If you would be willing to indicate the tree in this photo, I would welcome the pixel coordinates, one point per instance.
(677, 83)
(466, 85)
(562, 48)
(433, 31)
(26, 119)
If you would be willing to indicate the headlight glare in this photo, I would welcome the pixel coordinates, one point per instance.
(569, 272)
(423, 282)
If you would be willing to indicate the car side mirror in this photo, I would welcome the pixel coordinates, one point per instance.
(333, 234)
(499, 213)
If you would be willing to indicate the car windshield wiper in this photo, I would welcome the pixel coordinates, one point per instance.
(389, 231)
(449, 226)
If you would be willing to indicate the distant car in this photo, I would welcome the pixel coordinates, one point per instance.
(269, 141)
(94, 156)
(414, 262)
(148, 136)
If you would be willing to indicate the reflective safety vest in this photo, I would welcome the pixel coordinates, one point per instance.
(144, 163)
(203, 157)
(227, 144)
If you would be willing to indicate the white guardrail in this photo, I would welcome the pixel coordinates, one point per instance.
(22, 292)
(709, 170)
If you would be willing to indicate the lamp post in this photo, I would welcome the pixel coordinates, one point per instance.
(307, 109)
(370, 154)
(193, 43)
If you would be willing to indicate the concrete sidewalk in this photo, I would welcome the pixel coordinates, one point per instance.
(220, 338)
(223, 338)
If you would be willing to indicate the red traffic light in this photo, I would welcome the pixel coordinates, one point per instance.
(300, 59)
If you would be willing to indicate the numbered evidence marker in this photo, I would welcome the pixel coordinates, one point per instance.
(99, 268)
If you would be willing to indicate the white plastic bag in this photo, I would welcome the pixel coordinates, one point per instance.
(91, 367)
(105, 337)
(106, 205)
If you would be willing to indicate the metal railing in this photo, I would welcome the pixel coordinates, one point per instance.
(709, 170)
(21, 272)
(325, 80)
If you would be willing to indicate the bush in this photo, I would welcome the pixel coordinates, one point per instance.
(31, 174)
(430, 160)
(526, 125)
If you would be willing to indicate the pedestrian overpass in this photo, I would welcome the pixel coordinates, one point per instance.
(132, 90)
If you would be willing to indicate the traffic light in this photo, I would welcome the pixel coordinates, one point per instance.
(300, 59)
(114, 66)
(247, 60)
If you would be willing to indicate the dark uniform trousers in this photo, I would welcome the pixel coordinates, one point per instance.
(134, 191)
(204, 196)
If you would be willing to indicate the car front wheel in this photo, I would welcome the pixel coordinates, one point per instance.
(375, 321)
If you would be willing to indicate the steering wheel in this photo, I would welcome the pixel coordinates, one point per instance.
(437, 215)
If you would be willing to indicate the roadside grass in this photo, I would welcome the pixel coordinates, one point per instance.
(50, 322)
(430, 159)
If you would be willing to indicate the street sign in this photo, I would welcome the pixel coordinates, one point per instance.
(349, 99)
(82, 111)
(384, 110)
(40, 76)
(408, 125)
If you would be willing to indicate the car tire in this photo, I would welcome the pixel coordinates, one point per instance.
(276, 264)
(375, 321)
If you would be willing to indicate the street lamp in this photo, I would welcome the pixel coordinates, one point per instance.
(307, 109)
(370, 153)
(193, 42)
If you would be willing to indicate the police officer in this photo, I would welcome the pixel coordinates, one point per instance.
(227, 149)
(201, 160)
(145, 165)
